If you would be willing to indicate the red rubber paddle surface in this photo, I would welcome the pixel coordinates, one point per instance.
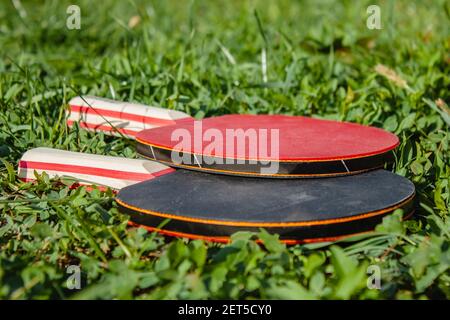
(300, 138)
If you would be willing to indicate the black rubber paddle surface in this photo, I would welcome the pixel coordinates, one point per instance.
(214, 206)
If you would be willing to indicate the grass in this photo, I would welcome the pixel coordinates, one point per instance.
(206, 58)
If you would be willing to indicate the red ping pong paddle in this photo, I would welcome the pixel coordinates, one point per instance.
(269, 146)
(263, 145)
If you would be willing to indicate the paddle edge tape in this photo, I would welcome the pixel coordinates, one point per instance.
(405, 204)
(371, 154)
(228, 239)
(287, 235)
(286, 169)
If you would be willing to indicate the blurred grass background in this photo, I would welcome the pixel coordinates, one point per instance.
(205, 58)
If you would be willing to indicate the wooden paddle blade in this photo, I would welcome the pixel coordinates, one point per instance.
(118, 117)
(88, 169)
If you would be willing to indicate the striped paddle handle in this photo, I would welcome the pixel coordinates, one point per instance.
(111, 117)
(88, 169)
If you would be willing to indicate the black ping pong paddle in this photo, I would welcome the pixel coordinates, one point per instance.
(213, 207)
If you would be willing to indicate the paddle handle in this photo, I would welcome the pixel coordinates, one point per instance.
(88, 169)
(118, 117)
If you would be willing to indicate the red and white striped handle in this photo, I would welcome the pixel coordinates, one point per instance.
(111, 117)
(88, 169)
